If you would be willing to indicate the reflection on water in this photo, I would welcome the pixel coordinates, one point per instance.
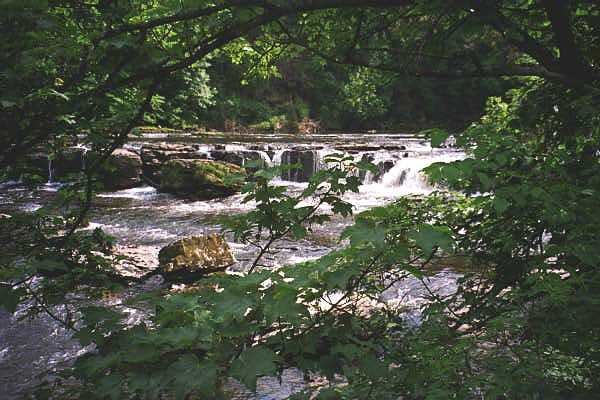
(144, 220)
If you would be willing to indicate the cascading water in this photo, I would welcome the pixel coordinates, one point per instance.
(255, 155)
(50, 171)
(204, 151)
(51, 184)
(264, 156)
(381, 160)
(406, 177)
(407, 173)
(84, 151)
(277, 157)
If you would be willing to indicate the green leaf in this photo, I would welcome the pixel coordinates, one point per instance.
(233, 303)
(298, 231)
(372, 367)
(145, 383)
(10, 298)
(191, 375)
(91, 365)
(282, 303)
(500, 205)
(110, 386)
(141, 353)
(364, 232)
(254, 362)
(367, 166)
(183, 336)
(329, 394)
(438, 136)
(486, 182)
(428, 237)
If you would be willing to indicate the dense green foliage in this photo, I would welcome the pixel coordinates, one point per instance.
(339, 97)
(520, 213)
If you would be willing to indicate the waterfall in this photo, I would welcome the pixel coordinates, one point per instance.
(319, 161)
(277, 157)
(204, 152)
(406, 173)
(290, 174)
(255, 156)
(396, 169)
(84, 151)
(265, 158)
(70, 160)
(50, 171)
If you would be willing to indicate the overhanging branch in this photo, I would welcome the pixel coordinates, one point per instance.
(501, 71)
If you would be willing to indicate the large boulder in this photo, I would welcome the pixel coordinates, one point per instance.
(307, 159)
(122, 170)
(194, 256)
(34, 168)
(201, 179)
(242, 158)
(383, 167)
(65, 165)
(154, 155)
(69, 163)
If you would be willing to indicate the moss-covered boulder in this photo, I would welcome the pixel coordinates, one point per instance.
(155, 155)
(201, 179)
(194, 256)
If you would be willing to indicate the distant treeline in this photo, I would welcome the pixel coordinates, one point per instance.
(222, 95)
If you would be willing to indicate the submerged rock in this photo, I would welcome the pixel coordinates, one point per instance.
(201, 179)
(122, 170)
(194, 256)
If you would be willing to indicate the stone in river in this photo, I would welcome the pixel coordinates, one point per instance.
(66, 164)
(201, 179)
(154, 155)
(122, 170)
(366, 157)
(242, 158)
(308, 161)
(194, 256)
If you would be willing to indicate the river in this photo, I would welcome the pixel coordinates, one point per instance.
(144, 220)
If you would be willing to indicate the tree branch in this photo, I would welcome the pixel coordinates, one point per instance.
(571, 60)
